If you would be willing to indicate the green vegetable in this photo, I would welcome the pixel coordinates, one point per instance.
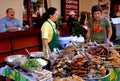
(33, 63)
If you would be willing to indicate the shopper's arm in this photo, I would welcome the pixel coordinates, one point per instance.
(88, 34)
(109, 34)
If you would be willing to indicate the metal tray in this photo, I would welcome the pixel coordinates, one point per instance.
(97, 79)
(14, 60)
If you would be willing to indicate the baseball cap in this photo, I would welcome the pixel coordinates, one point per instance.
(71, 13)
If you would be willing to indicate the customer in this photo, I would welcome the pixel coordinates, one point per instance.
(83, 23)
(89, 16)
(49, 34)
(99, 28)
(10, 23)
(73, 24)
(70, 21)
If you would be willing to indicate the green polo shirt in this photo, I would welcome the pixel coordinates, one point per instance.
(98, 28)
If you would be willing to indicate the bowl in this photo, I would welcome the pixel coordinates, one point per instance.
(14, 60)
(31, 64)
(26, 70)
(28, 65)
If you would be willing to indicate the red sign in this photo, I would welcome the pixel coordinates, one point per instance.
(71, 5)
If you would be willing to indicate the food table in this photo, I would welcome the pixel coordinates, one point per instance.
(13, 74)
(21, 76)
(18, 75)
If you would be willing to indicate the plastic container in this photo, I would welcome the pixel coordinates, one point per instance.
(64, 40)
(80, 39)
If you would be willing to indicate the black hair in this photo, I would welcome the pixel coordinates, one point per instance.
(96, 8)
(83, 17)
(47, 14)
(8, 9)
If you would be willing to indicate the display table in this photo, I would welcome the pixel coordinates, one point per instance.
(13, 74)
(21, 76)
(17, 75)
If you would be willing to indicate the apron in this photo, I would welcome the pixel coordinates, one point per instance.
(54, 43)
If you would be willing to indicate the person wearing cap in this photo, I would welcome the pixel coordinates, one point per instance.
(9, 22)
(99, 28)
(70, 20)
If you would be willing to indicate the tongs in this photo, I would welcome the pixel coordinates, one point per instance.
(74, 43)
(47, 52)
(58, 52)
(86, 56)
(76, 47)
(89, 60)
(96, 43)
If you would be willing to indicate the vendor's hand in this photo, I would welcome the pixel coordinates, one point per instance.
(48, 49)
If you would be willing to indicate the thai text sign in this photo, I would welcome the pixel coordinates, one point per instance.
(71, 5)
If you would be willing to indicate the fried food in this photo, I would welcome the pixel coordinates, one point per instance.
(102, 70)
(99, 51)
(70, 49)
(72, 78)
(60, 68)
(81, 67)
(114, 58)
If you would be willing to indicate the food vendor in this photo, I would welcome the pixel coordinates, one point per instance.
(49, 33)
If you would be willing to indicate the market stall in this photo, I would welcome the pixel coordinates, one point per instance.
(76, 62)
